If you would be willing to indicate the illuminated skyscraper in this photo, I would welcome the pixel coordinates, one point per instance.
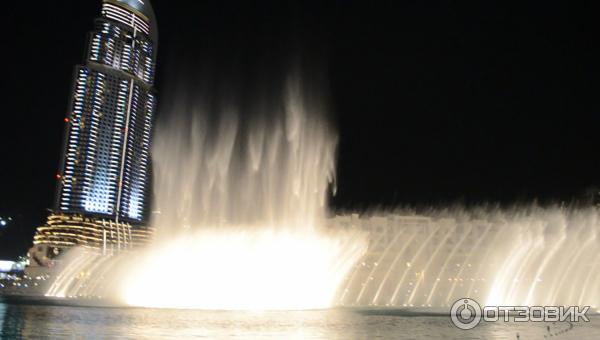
(103, 189)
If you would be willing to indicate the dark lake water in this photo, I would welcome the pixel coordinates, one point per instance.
(30, 321)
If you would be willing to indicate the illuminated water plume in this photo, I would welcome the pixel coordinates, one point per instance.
(246, 269)
(242, 193)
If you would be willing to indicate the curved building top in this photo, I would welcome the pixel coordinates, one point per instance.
(144, 8)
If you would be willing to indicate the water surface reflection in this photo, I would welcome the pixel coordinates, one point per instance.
(57, 322)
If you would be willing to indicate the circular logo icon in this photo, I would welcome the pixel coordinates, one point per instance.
(465, 313)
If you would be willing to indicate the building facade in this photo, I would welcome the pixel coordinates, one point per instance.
(104, 181)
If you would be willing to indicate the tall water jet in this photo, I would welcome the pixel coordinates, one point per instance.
(241, 187)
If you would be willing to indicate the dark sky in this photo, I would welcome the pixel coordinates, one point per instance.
(435, 102)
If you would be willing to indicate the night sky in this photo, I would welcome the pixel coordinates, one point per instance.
(435, 102)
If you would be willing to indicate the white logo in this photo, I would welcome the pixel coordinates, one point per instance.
(465, 314)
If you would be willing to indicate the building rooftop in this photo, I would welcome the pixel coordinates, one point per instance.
(144, 7)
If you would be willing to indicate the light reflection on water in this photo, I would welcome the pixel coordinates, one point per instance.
(55, 322)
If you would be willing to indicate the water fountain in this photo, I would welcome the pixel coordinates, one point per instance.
(520, 256)
(242, 193)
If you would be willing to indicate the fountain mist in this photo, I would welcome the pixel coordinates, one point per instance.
(242, 192)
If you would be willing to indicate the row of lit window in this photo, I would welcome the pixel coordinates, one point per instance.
(124, 16)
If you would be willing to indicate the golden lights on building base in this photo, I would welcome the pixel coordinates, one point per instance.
(92, 233)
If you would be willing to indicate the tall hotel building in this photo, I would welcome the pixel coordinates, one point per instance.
(103, 191)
